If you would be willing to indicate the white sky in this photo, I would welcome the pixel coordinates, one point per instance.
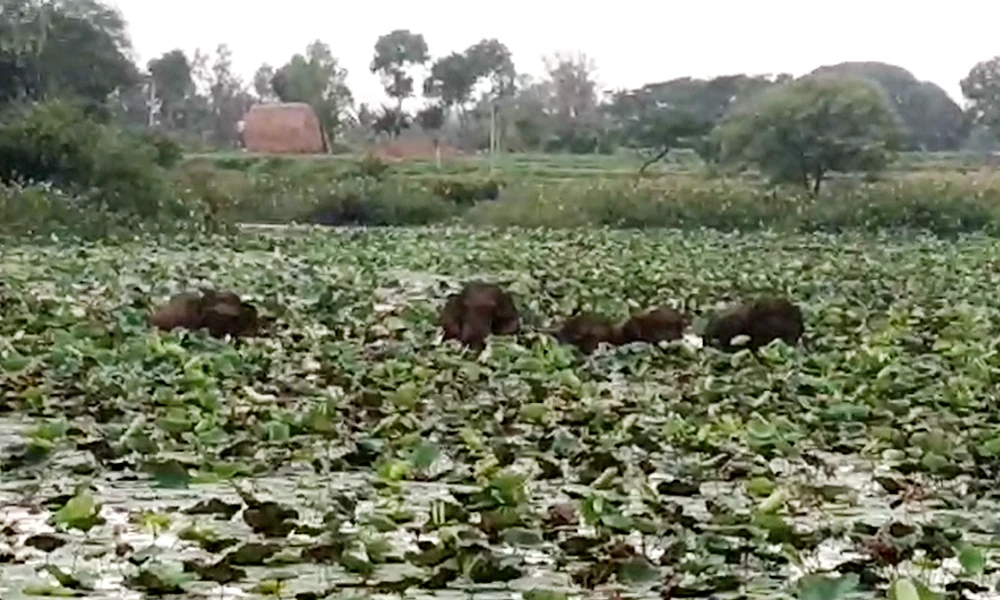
(632, 41)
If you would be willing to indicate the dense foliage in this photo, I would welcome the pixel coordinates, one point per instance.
(63, 171)
(76, 49)
(866, 462)
(802, 131)
(572, 192)
(931, 120)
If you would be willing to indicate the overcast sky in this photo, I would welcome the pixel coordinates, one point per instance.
(632, 42)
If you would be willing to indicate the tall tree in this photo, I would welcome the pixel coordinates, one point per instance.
(491, 60)
(317, 79)
(679, 113)
(982, 88)
(931, 120)
(394, 53)
(229, 100)
(531, 112)
(802, 131)
(573, 87)
(173, 85)
(61, 48)
(391, 121)
(451, 81)
(431, 120)
(262, 86)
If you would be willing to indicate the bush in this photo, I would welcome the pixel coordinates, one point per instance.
(368, 201)
(466, 192)
(98, 170)
(803, 131)
(169, 153)
(371, 165)
(266, 198)
(940, 206)
(307, 191)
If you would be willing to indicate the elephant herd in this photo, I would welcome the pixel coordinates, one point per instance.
(482, 309)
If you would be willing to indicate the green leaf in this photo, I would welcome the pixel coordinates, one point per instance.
(278, 431)
(759, 428)
(973, 561)
(821, 587)
(406, 396)
(169, 474)
(80, 512)
(355, 559)
(424, 456)
(617, 521)
(543, 594)
(518, 536)
(155, 523)
(903, 589)
(775, 502)
(760, 486)
(638, 569)
(394, 470)
(535, 413)
(49, 590)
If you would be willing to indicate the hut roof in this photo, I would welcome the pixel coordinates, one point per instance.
(286, 128)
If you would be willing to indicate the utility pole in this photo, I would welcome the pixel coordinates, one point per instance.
(151, 103)
(493, 136)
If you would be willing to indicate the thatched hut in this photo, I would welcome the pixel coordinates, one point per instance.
(287, 128)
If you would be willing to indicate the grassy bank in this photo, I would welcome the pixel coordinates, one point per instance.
(363, 192)
(210, 192)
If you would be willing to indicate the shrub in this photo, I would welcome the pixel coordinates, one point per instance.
(940, 206)
(371, 165)
(368, 201)
(306, 191)
(169, 153)
(466, 192)
(236, 163)
(803, 131)
(99, 169)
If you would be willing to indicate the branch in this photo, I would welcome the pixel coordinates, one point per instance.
(659, 156)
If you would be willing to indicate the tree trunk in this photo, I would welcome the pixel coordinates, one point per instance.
(817, 181)
(659, 156)
(437, 152)
(327, 145)
(493, 136)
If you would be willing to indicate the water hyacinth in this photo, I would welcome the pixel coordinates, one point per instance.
(351, 447)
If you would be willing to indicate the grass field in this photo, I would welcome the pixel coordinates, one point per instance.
(867, 462)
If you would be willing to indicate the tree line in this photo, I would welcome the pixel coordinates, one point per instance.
(81, 49)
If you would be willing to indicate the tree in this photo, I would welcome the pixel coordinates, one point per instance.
(802, 131)
(262, 86)
(317, 79)
(228, 98)
(679, 113)
(451, 80)
(431, 120)
(575, 123)
(931, 120)
(982, 88)
(61, 48)
(454, 77)
(173, 84)
(394, 52)
(573, 86)
(490, 59)
(531, 112)
(390, 121)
